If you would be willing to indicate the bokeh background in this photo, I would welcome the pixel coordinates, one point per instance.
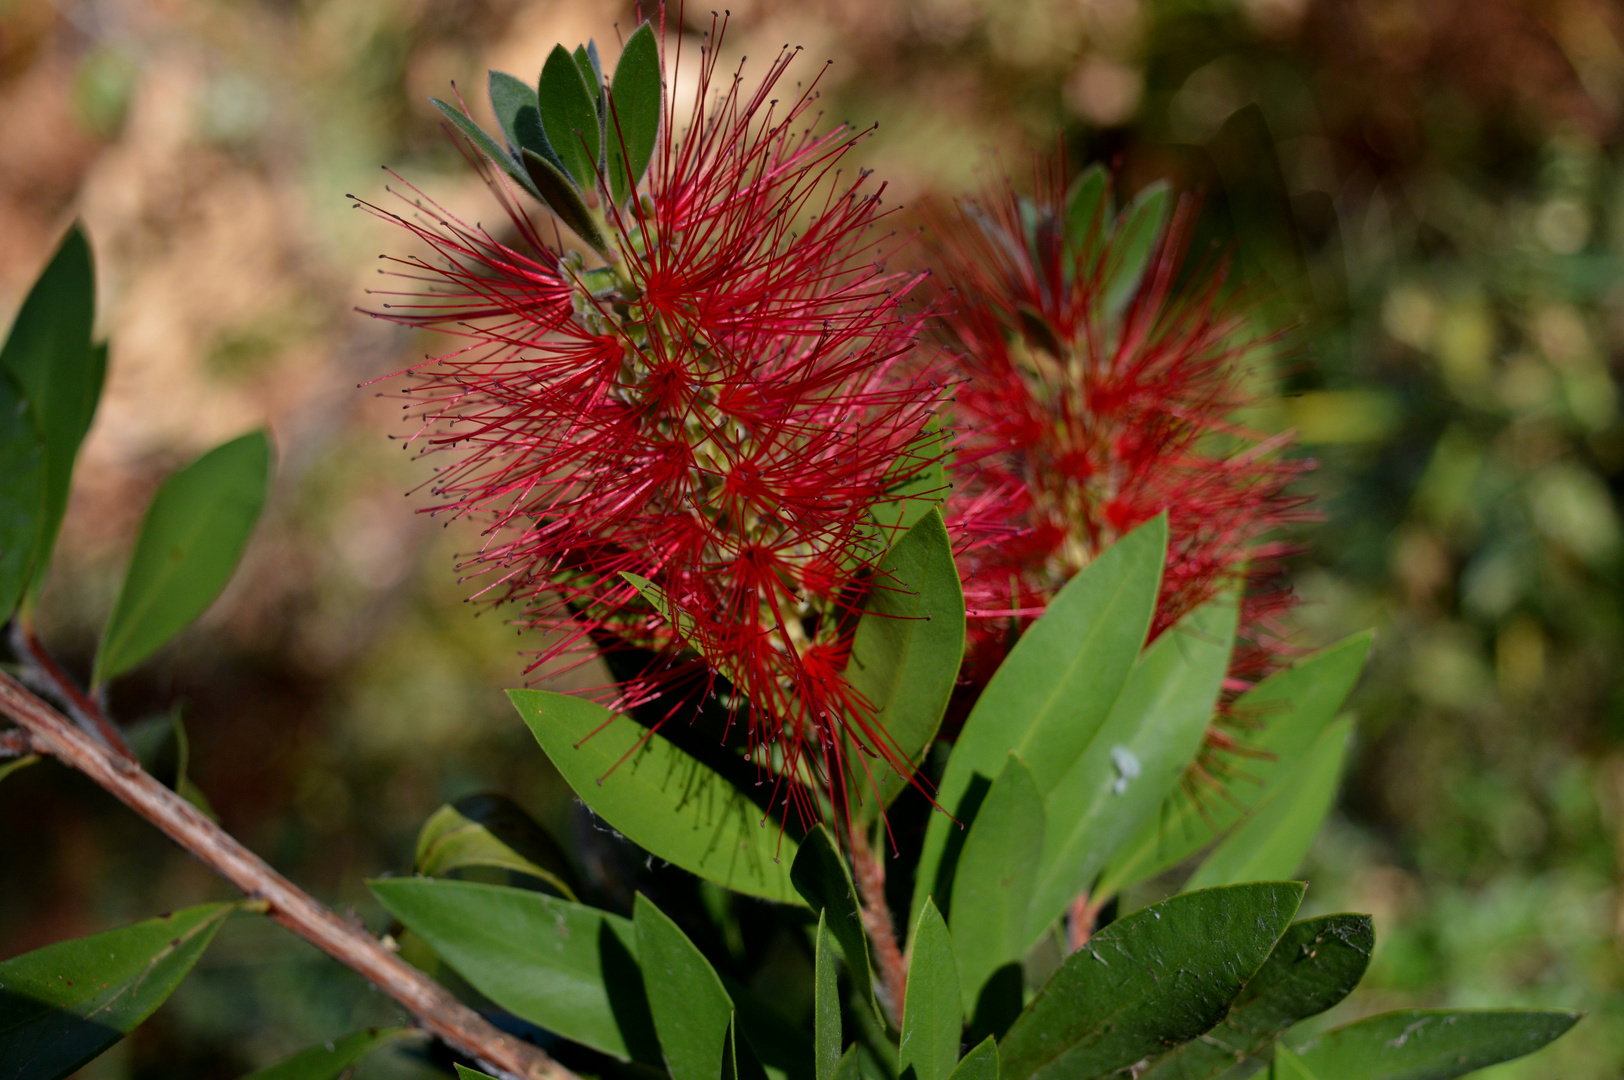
(1434, 189)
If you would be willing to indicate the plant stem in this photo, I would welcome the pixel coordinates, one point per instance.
(85, 710)
(870, 874)
(436, 1009)
(1080, 922)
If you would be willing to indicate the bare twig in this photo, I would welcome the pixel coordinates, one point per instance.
(436, 1010)
(1080, 921)
(85, 710)
(16, 743)
(870, 875)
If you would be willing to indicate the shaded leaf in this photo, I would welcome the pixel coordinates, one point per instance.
(22, 495)
(993, 884)
(820, 875)
(491, 831)
(920, 483)
(465, 1073)
(1147, 982)
(1315, 964)
(827, 1035)
(1135, 240)
(660, 798)
(981, 1063)
(1431, 1044)
(561, 195)
(1088, 213)
(62, 1005)
(9, 767)
(184, 786)
(1288, 1066)
(191, 539)
(586, 58)
(569, 117)
(330, 1061)
(1136, 758)
(1053, 691)
(635, 99)
(693, 1014)
(487, 145)
(932, 1019)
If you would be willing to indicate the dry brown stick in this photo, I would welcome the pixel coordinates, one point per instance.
(870, 875)
(440, 1013)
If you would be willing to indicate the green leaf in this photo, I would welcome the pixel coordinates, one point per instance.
(932, 1020)
(826, 1031)
(906, 653)
(62, 1005)
(635, 106)
(184, 786)
(1431, 1044)
(569, 117)
(1274, 838)
(993, 885)
(1052, 692)
(739, 1060)
(567, 967)
(1137, 234)
(1290, 709)
(1136, 757)
(1288, 1066)
(820, 875)
(692, 1011)
(1088, 214)
(9, 767)
(191, 539)
(487, 145)
(49, 354)
(981, 1063)
(22, 495)
(1315, 964)
(327, 1062)
(660, 798)
(553, 187)
(920, 483)
(465, 1073)
(514, 103)
(491, 831)
(1159, 977)
(586, 58)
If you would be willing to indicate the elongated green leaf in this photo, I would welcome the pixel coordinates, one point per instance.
(906, 654)
(512, 97)
(1273, 839)
(1431, 1044)
(993, 885)
(660, 798)
(15, 764)
(586, 58)
(569, 117)
(1157, 978)
(491, 831)
(1137, 235)
(981, 1063)
(558, 191)
(190, 542)
(1288, 1066)
(22, 495)
(488, 146)
(327, 1062)
(570, 968)
(635, 99)
(692, 1012)
(920, 482)
(1088, 214)
(1290, 708)
(827, 1035)
(932, 1019)
(1052, 692)
(1136, 758)
(465, 1073)
(1315, 964)
(820, 875)
(62, 1005)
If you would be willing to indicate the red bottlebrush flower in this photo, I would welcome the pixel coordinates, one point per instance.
(716, 411)
(1096, 398)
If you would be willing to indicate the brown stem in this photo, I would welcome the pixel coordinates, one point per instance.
(1080, 923)
(17, 743)
(85, 710)
(52, 733)
(870, 874)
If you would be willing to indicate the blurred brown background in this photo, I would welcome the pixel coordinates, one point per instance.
(1436, 188)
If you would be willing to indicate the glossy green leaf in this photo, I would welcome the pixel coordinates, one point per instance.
(1052, 692)
(327, 1062)
(993, 885)
(22, 495)
(905, 655)
(827, 1035)
(190, 542)
(820, 875)
(660, 798)
(488, 146)
(567, 967)
(1315, 964)
(1431, 1044)
(569, 117)
(635, 107)
(1135, 240)
(1136, 758)
(932, 1019)
(981, 1063)
(1288, 1066)
(1154, 979)
(692, 1011)
(1289, 710)
(1273, 839)
(491, 831)
(558, 191)
(62, 1005)
(1088, 214)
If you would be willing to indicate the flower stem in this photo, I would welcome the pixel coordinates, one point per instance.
(870, 874)
(50, 732)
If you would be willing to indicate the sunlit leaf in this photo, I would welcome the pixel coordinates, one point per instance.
(932, 1019)
(635, 99)
(491, 831)
(692, 1012)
